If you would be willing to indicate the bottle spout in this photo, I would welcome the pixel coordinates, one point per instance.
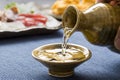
(73, 18)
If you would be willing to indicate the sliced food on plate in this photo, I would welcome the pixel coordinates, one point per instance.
(18, 17)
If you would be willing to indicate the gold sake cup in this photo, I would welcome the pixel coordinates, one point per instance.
(61, 69)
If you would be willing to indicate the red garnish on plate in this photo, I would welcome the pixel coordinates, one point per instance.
(31, 19)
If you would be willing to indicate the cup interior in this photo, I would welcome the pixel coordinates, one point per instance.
(86, 52)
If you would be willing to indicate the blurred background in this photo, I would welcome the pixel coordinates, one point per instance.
(41, 2)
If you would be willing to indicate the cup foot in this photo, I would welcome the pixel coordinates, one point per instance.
(61, 74)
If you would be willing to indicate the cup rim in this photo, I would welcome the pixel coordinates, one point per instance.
(88, 53)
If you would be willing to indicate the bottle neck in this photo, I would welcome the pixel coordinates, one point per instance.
(82, 22)
(74, 19)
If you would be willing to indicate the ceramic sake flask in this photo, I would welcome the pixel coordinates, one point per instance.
(99, 23)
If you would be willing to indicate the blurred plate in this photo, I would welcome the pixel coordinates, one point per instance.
(28, 31)
(51, 26)
(56, 16)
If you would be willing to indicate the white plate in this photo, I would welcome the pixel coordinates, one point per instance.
(52, 25)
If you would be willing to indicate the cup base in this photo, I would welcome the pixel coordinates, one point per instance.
(61, 74)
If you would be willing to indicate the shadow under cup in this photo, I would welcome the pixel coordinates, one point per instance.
(61, 68)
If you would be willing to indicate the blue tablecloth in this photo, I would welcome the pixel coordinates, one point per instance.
(17, 63)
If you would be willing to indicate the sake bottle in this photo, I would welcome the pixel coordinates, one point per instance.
(99, 23)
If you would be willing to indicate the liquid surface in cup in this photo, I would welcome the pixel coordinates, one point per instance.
(55, 54)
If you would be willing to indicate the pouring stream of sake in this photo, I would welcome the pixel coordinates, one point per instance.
(66, 36)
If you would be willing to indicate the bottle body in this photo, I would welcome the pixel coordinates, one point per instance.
(99, 24)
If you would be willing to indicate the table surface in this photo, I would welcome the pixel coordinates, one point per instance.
(17, 63)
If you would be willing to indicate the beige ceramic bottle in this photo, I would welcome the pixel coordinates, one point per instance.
(99, 23)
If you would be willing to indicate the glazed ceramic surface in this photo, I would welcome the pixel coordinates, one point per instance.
(59, 68)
